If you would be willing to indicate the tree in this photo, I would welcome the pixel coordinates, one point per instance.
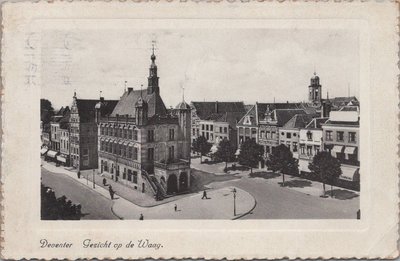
(250, 154)
(281, 160)
(326, 167)
(46, 111)
(225, 151)
(202, 146)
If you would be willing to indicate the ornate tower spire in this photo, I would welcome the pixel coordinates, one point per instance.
(153, 78)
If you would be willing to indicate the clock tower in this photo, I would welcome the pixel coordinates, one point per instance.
(314, 90)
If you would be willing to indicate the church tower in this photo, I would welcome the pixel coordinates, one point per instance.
(153, 78)
(314, 90)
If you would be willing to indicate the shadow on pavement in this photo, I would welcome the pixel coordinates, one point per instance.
(297, 183)
(264, 175)
(199, 179)
(342, 194)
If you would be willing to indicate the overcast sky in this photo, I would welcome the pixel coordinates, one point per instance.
(211, 64)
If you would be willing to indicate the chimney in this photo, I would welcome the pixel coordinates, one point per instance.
(130, 89)
(216, 107)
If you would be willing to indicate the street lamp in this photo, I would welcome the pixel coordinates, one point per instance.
(234, 201)
(94, 184)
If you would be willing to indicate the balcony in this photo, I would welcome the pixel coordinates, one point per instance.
(172, 165)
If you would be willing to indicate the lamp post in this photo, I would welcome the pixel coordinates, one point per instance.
(234, 201)
(94, 184)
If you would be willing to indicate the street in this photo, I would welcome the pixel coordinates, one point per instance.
(275, 202)
(94, 205)
(271, 200)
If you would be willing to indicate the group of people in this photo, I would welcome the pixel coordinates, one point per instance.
(53, 208)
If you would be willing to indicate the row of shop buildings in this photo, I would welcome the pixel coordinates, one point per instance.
(330, 124)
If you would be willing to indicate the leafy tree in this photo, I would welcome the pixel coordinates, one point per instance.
(250, 154)
(225, 151)
(46, 110)
(326, 167)
(202, 146)
(281, 160)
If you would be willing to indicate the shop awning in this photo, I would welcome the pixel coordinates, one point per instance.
(126, 143)
(52, 153)
(121, 142)
(214, 149)
(336, 149)
(349, 150)
(131, 144)
(348, 172)
(237, 153)
(43, 151)
(61, 159)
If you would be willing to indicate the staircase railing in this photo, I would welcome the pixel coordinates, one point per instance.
(152, 185)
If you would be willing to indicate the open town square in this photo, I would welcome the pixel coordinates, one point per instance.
(136, 158)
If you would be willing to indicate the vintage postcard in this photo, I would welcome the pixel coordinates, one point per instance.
(200, 130)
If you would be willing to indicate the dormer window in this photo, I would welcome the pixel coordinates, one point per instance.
(247, 120)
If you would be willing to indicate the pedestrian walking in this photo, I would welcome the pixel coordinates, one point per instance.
(176, 208)
(79, 174)
(104, 182)
(112, 192)
(141, 217)
(204, 195)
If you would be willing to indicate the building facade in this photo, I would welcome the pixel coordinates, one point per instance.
(216, 121)
(341, 139)
(270, 128)
(64, 131)
(83, 132)
(289, 134)
(144, 147)
(310, 142)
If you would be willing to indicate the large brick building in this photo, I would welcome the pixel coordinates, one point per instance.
(83, 131)
(144, 147)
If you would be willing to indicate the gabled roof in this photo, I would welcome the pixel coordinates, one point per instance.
(250, 118)
(87, 111)
(298, 121)
(282, 116)
(230, 117)
(205, 109)
(126, 105)
(262, 107)
(316, 123)
(349, 108)
(63, 111)
(343, 101)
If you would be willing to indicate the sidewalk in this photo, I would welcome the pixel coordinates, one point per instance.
(305, 186)
(219, 206)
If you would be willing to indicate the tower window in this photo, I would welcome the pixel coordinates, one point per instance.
(171, 134)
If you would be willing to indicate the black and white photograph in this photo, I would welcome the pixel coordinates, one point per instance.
(199, 130)
(200, 124)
